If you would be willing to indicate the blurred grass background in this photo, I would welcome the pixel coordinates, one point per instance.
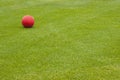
(71, 40)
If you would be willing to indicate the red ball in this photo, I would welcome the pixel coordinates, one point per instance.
(28, 21)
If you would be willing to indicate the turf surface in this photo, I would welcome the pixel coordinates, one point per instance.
(71, 40)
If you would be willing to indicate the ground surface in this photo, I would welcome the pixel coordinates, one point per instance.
(71, 40)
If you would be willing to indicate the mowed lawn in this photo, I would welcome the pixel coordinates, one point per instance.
(71, 40)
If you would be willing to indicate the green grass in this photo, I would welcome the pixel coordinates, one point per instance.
(71, 40)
